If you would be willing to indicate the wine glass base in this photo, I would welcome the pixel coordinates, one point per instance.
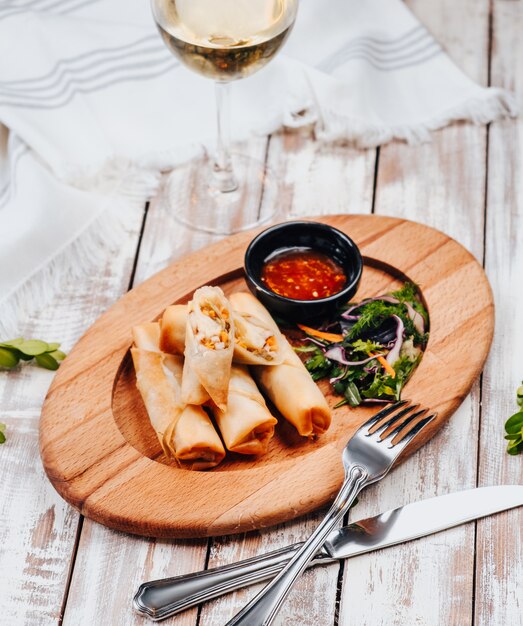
(195, 202)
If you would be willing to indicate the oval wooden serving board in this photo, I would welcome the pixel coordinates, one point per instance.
(102, 456)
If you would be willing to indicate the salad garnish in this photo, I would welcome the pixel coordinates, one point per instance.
(514, 426)
(372, 347)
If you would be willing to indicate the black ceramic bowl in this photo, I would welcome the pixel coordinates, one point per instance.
(319, 237)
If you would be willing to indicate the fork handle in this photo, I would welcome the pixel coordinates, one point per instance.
(262, 610)
(163, 598)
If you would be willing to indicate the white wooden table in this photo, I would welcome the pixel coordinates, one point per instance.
(58, 568)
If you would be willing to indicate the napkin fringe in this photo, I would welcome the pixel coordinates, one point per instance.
(495, 104)
(129, 188)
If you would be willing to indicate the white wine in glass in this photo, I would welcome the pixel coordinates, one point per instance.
(224, 40)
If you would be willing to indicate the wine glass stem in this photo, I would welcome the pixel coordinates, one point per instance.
(225, 180)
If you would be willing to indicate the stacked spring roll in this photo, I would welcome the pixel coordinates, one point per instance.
(203, 353)
(185, 432)
(209, 346)
(288, 385)
(255, 342)
(244, 421)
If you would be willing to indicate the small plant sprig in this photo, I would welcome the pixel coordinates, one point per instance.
(2, 433)
(514, 426)
(46, 355)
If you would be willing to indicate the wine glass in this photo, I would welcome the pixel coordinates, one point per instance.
(224, 40)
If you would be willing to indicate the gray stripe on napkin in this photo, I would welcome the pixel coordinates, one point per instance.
(164, 66)
(411, 48)
(69, 61)
(44, 91)
(42, 6)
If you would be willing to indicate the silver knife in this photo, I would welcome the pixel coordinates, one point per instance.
(159, 599)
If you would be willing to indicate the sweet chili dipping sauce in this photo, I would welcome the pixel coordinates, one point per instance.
(303, 274)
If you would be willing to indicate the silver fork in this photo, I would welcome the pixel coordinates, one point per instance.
(366, 459)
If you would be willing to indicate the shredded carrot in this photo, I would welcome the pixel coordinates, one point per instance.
(320, 334)
(387, 366)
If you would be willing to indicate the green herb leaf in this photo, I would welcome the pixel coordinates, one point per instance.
(375, 313)
(2, 433)
(58, 355)
(8, 358)
(53, 346)
(352, 394)
(519, 395)
(514, 427)
(47, 361)
(305, 348)
(33, 347)
(515, 447)
(408, 293)
(12, 343)
(365, 346)
(514, 424)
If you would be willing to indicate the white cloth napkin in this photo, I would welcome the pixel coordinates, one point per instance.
(93, 107)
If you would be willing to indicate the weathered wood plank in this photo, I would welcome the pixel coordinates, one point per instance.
(498, 598)
(315, 179)
(441, 183)
(37, 528)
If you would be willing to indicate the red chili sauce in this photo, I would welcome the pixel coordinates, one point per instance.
(303, 274)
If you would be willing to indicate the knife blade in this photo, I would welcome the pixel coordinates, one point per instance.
(159, 599)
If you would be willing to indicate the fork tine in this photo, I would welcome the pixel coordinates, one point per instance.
(394, 419)
(404, 423)
(383, 413)
(409, 436)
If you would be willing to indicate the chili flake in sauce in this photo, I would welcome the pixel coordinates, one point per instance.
(303, 274)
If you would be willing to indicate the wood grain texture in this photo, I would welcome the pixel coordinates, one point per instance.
(499, 556)
(38, 529)
(429, 582)
(115, 484)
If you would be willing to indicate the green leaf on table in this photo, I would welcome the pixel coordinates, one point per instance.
(519, 395)
(515, 447)
(46, 355)
(47, 361)
(33, 347)
(2, 433)
(514, 424)
(8, 358)
(12, 343)
(57, 354)
(514, 430)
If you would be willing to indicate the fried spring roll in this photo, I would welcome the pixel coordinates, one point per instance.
(209, 344)
(288, 385)
(185, 432)
(147, 336)
(194, 437)
(172, 341)
(246, 425)
(254, 340)
(173, 326)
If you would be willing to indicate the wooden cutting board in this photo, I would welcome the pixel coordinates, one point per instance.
(101, 454)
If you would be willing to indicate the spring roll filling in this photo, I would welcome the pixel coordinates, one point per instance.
(254, 338)
(212, 327)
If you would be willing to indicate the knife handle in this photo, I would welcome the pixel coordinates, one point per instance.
(159, 599)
